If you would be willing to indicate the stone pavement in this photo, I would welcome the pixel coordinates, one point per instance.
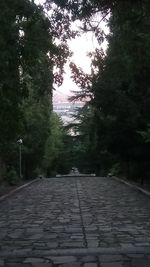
(74, 222)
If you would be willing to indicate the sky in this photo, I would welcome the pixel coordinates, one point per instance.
(80, 46)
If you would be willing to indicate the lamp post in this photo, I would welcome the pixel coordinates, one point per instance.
(20, 141)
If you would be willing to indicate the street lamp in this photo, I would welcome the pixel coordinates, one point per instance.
(20, 142)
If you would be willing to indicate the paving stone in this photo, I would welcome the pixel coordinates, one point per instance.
(73, 230)
(141, 263)
(50, 236)
(52, 244)
(18, 265)
(110, 258)
(135, 255)
(63, 259)
(74, 244)
(112, 264)
(92, 238)
(90, 265)
(42, 264)
(127, 264)
(93, 244)
(20, 251)
(78, 237)
(32, 260)
(142, 244)
(88, 259)
(1, 263)
(12, 260)
(75, 264)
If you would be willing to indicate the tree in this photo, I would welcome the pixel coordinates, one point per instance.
(28, 55)
(54, 146)
(120, 85)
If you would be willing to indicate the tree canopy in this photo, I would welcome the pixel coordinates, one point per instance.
(28, 54)
(113, 127)
(112, 132)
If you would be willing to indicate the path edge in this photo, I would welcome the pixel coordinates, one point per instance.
(19, 188)
(132, 185)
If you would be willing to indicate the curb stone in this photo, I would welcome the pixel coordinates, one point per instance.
(17, 189)
(132, 186)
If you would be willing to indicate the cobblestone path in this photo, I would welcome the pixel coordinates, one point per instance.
(75, 222)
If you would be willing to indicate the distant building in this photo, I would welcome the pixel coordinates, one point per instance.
(64, 108)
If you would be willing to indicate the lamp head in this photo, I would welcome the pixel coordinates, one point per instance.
(20, 141)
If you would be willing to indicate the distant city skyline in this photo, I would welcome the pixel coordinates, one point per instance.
(64, 108)
(59, 97)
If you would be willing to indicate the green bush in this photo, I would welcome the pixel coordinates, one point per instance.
(12, 177)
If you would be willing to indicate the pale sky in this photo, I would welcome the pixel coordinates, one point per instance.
(80, 46)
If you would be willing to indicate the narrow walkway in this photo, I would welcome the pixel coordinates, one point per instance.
(72, 222)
